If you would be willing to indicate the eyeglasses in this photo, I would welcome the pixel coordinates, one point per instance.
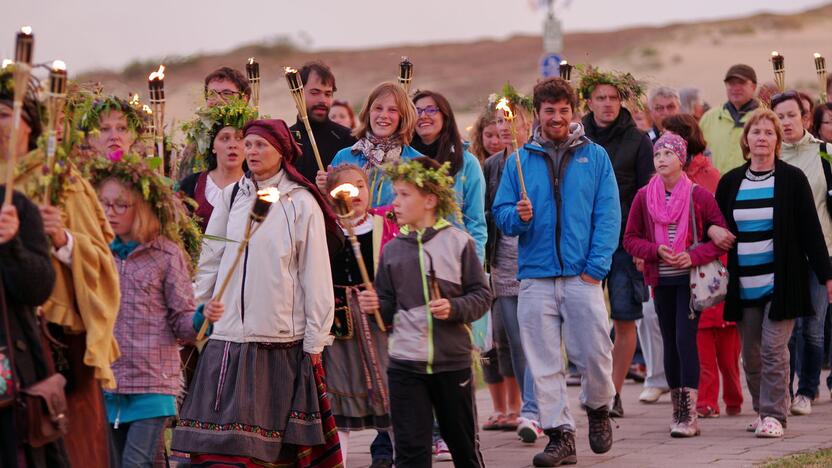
(118, 208)
(430, 111)
(225, 94)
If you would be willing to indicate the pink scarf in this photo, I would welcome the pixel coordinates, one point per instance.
(665, 212)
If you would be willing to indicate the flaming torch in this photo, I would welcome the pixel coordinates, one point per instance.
(264, 201)
(778, 63)
(156, 84)
(343, 195)
(24, 45)
(504, 105)
(820, 68)
(566, 70)
(55, 101)
(253, 72)
(296, 88)
(405, 74)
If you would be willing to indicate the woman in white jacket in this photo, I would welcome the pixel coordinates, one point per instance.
(257, 392)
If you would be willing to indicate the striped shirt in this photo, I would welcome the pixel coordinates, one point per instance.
(754, 214)
(666, 270)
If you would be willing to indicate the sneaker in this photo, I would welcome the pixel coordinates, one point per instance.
(707, 412)
(559, 451)
(440, 451)
(769, 428)
(382, 463)
(652, 394)
(529, 430)
(801, 406)
(752, 426)
(600, 429)
(617, 410)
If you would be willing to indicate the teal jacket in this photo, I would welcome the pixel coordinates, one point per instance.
(469, 185)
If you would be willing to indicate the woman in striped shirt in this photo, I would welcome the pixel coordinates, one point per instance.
(769, 207)
(660, 230)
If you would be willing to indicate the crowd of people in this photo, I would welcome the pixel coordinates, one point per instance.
(592, 228)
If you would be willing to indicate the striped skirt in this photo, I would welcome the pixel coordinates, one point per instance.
(257, 404)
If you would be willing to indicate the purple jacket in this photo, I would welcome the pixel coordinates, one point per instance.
(157, 308)
(639, 237)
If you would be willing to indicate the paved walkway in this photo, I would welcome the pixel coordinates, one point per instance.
(642, 438)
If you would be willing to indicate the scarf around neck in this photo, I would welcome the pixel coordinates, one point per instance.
(664, 212)
(378, 151)
(738, 114)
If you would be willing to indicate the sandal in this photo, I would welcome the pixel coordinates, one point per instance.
(495, 422)
(510, 422)
(769, 428)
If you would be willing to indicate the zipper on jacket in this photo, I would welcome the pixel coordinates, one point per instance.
(243, 289)
(427, 300)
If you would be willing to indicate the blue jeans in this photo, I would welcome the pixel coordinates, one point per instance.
(135, 443)
(806, 342)
(507, 306)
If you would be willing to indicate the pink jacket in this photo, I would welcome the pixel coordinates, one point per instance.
(639, 240)
(157, 308)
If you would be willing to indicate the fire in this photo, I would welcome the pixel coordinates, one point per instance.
(27, 30)
(774, 53)
(564, 63)
(288, 70)
(817, 55)
(251, 60)
(270, 194)
(158, 74)
(146, 109)
(6, 63)
(349, 189)
(503, 105)
(58, 65)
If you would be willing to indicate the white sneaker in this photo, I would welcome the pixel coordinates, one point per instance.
(440, 451)
(769, 428)
(801, 406)
(752, 426)
(652, 394)
(529, 430)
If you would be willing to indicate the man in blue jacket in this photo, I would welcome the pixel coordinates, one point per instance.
(568, 225)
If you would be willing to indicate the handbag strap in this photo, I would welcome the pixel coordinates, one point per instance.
(693, 218)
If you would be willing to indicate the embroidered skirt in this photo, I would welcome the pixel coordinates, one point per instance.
(356, 372)
(259, 401)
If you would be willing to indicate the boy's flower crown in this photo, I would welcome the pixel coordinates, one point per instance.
(433, 181)
(627, 85)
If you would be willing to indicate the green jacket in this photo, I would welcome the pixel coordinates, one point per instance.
(723, 138)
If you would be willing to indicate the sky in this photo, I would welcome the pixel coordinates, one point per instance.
(89, 34)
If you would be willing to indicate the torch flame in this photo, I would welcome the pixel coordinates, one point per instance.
(349, 189)
(564, 63)
(158, 74)
(58, 65)
(288, 70)
(6, 63)
(774, 53)
(817, 55)
(270, 194)
(251, 60)
(27, 30)
(146, 109)
(502, 105)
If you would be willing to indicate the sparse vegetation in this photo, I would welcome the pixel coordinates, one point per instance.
(821, 458)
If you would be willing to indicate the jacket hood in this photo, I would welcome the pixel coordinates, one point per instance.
(573, 140)
(412, 235)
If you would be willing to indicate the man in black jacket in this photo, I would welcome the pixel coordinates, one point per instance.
(611, 125)
(318, 89)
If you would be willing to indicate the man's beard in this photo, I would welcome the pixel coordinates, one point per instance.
(316, 118)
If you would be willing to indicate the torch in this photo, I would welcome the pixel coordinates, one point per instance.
(343, 195)
(296, 88)
(405, 74)
(156, 84)
(253, 72)
(55, 101)
(264, 201)
(566, 70)
(24, 45)
(820, 68)
(778, 62)
(503, 105)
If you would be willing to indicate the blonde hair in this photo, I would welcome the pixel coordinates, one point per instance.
(758, 116)
(407, 112)
(486, 118)
(146, 226)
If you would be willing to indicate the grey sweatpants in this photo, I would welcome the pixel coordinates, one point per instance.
(551, 310)
(765, 359)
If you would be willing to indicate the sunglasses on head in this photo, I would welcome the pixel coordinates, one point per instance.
(784, 96)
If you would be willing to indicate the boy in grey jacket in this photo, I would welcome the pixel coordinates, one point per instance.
(430, 286)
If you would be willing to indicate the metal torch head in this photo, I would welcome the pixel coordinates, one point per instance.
(24, 46)
(265, 199)
(565, 70)
(156, 84)
(293, 78)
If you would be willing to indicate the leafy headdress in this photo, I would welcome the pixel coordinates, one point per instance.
(202, 129)
(93, 105)
(434, 181)
(629, 88)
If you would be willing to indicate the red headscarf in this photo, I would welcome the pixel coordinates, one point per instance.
(277, 133)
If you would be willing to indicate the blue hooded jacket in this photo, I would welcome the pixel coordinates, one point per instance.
(576, 217)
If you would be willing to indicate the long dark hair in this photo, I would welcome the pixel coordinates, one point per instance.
(817, 118)
(450, 141)
(211, 157)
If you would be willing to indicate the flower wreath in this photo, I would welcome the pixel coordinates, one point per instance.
(202, 129)
(514, 99)
(629, 88)
(177, 223)
(90, 109)
(434, 181)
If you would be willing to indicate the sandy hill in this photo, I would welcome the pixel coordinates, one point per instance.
(682, 54)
